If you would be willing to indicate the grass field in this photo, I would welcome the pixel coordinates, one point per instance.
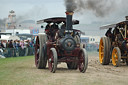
(22, 71)
(14, 71)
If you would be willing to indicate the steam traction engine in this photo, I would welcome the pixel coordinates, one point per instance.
(115, 45)
(60, 45)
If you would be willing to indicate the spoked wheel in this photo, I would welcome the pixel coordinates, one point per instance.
(52, 60)
(37, 45)
(116, 57)
(83, 60)
(101, 50)
(40, 60)
(104, 51)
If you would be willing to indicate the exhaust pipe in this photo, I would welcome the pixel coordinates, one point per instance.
(69, 20)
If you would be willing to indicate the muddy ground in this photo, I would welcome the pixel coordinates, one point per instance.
(96, 74)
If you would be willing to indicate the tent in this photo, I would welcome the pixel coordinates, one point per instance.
(14, 38)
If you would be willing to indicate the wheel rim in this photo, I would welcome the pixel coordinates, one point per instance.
(101, 51)
(37, 51)
(50, 61)
(114, 57)
(81, 61)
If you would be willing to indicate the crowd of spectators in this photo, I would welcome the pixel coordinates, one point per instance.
(17, 46)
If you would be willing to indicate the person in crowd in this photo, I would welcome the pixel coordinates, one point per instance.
(26, 47)
(10, 44)
(22, 44)
(17, 44)
(30, 44)
(14, 44)
(1, 53)
(5, 43)
(2, 46)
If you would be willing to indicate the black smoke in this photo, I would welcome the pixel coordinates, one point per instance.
(71, 5)
(100, 8)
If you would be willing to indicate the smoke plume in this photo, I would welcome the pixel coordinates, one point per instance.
(99, 7)
(71, 5)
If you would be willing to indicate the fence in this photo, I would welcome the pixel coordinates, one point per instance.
(13, 52)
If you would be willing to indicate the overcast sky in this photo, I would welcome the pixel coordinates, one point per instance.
(32, 8)
(40, 9)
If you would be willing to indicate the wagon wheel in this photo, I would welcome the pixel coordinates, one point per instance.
(40, 60)
(116, 57)
(52, 60)
(104, 51)
(83, 60)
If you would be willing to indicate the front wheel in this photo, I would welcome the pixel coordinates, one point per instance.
(116, 57)
(52, 60)
(83, 60)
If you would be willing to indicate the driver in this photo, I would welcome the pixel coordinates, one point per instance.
(47, 28)
(110, 34)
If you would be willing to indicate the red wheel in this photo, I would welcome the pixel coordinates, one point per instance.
(83, 60)
(37, 45)
(52, 60)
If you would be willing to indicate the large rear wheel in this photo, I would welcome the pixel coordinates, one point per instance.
(116, 57)
(109, 53)
(83, 60)
(104, 51)
(40, 58)
(52, 60)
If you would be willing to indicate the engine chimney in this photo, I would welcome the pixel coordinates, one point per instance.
(69, 20)
(126, 17)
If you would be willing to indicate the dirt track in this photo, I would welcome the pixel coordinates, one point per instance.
(96, 74)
